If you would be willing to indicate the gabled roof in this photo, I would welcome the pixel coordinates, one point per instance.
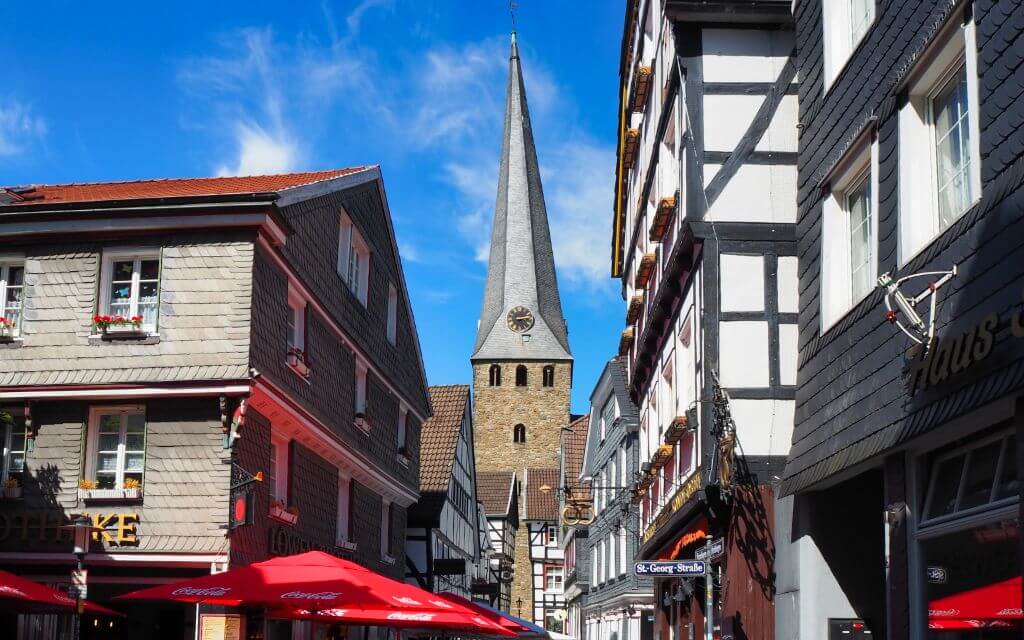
(574, 444)
(521, 267)
(439, 443)
(495, 490)
(611, 383)
(541, 505)
(43, 195)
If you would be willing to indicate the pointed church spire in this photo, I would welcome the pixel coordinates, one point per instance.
(521, 268)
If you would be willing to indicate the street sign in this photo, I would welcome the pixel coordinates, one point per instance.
(687, 568)
(713, 550)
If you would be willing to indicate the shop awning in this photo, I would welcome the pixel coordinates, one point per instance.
(25, 596)
(317, 584)
(493, 615)
(696, 533)
(978, 608)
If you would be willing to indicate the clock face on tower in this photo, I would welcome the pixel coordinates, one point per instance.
(519, 319)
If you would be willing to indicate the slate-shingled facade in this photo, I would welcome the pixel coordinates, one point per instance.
(252, 356)
(903, 475)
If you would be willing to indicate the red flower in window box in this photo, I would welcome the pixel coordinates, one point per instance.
(105, 322)
(296, 359)
(6, 329)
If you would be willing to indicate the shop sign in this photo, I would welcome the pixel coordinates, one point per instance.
(27, 527)
(684, 568)
(950, 356)
(284, 541)
(680, 498)
(220, 626)
(713, 550)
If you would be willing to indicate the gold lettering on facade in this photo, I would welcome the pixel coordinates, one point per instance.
(126, 533)
(680, 498)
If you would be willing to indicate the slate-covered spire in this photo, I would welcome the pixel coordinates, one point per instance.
(521, 269)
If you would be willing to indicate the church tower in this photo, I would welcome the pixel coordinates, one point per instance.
(522, 364)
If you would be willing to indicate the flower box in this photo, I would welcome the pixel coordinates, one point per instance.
(280, 513)
(641, 87)
(11, 493)
(645, 270)
(661, 456)
(119, 327)
(346, 545)
(676, 429)
(362, 422)
(110, 495)
(123, 334)
(662, 217)
(296, 359)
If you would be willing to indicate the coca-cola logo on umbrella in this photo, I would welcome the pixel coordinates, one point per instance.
(305, 595)
(201, 591)
(414, 617)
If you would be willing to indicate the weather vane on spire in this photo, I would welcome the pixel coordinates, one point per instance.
(512, 12)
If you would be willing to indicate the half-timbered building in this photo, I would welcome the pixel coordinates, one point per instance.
(905, 505)
(704, 242)
(576, 510)
(442, 548)
(547, 558)
(499, 494)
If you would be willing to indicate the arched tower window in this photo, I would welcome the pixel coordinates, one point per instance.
(549, 375)
(521, 375)
(519, 433)
(495, 375)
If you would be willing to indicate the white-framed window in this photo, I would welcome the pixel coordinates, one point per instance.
(360, 395)
(551, 535)
(385, 529)
(594, 563)
(844, 25)
(296, 322)
(14, 438)
(402, 435)
(392, 314)
(12, 287)
(130, 285)
(554, 578)
(353, 258)
(116, 446)
(613, 566)
(344, 517)
(939, 151)
(278, 480)
(849, 259)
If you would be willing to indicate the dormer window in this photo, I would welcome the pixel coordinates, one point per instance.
(353, 259)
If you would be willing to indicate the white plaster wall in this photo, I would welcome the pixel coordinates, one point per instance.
(742, 55)
(764, 427)
(727, 118)
(742, 282)
(788, 336)
(789, 287)
(807, 593)
(755, 193)
(743, 353)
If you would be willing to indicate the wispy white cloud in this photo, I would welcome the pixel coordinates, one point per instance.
(19, 128)
(261, 152)
(355, 17)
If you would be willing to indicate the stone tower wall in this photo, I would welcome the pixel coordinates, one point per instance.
(496, 410)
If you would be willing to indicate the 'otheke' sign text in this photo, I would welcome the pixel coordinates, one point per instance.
(681, 568)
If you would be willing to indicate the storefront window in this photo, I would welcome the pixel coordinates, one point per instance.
(969, 542)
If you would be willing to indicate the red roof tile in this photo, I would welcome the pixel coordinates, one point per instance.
(541, 505)
(574, 444)
(494, 491)
(45, 194)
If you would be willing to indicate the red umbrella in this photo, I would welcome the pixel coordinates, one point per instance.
(400, 619)
(484, 612)
(24, 595)
(309, 583)
(996, 601)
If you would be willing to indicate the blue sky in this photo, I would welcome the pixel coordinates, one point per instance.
(115, 91)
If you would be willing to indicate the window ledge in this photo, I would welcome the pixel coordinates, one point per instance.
(8, 342)
(347, 545)
(363, 423)
(403, 460)
(300, 370)
(387, 558)
(135, 337)
(110, 495)
(282, 515)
